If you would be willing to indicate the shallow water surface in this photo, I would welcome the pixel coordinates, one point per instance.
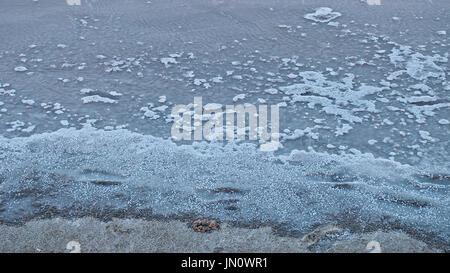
(87, 88)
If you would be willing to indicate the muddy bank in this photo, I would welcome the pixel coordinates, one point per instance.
(132, 235)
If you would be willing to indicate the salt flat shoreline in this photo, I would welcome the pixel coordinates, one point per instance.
(149, 188)
(89, 235)
(86, 93)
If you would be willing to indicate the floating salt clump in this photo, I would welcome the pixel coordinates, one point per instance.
(149, 113)
(28, 102)
(442, 32)
(217, 79)
(189, 74)
(162, 99)
(372, 141)
(161, 108)
(64, 122)
(444, 121)
(260, 100)
(97, 98)
(212, 106)
(20, 69)
(271, 146)
(333, 24)
(199, 81)
(176, 55)
(322, 15)
(284, 26)
(167, 61)
(239, 97)
(15, 125)
(340, 131)
(426, 136)
(29, 129)
(115, 93)
(86, 90)
(272, 91)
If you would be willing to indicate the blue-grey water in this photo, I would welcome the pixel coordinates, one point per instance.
(87, 88)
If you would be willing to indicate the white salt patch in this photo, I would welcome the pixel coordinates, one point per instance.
(29, 129)
(162, 99)
(272, 91)
(260, 100)
(416, 65)
(189, 74)
(217, 80)
(20, 69)
(322, 15)
(426, 136)
(270, 146)
(149, 113)
(28, 102)
(238, 97)
(175, 55)
(161, 108)
(372, 141)
(115, 93)
(284, 26)
(343, 130)
(317, 90)
(212, 106)
(333, 24)
(387, 122)
(199, 81)
(86, 90)
(97, 98)
(444, 121)
(167, 61)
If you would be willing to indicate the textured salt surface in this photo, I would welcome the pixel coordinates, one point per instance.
(94, 172)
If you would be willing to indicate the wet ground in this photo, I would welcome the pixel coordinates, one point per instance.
(362, 89)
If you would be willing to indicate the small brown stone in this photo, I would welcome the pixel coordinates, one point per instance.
(204, 225)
